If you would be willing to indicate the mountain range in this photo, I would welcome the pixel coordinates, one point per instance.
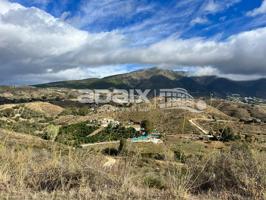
(156, 78)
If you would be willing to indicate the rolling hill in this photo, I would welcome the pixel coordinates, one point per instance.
(155, 78)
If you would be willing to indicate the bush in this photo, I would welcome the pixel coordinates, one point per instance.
(153, 181)
(180, 156)
(233, 172)
(50, 132)
(53, 179)
(156, 156)
(8, 112)
(110, 151)
(227, 135)
(146, 125)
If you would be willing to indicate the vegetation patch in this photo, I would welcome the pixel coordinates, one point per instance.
(47, 109)
(112, 133)
(53, 179)
(27, 127)
(235, 172)
(80, 111)
(154, 181)
(75, 134)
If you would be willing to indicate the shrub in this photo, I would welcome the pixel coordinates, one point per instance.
(180, 156)
(8, 112)
(50, 132)
(227, 135)
(146, 125)
(110, 151)
(53, 179)
(234, 172)
(154, 181)
(156, 156)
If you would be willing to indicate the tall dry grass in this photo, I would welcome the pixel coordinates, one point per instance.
(27, 173)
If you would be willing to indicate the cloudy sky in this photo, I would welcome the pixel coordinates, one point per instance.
(50, 40)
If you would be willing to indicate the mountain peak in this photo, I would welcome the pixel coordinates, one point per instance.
(154, 71)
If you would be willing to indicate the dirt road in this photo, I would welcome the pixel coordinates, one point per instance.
(96, 132)
(99, 143)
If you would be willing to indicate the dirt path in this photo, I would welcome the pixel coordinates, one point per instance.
(96, 132)
(198, 127)
(193, 123)
(99, 143)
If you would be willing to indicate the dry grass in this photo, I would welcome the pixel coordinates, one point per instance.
(7, 106)
(47, 109)
(79, 174)
(236, 174)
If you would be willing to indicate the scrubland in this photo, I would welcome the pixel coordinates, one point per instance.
(49, 171)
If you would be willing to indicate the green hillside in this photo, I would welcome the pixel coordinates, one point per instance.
(155, 78)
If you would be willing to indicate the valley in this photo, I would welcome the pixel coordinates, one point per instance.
(137, 151)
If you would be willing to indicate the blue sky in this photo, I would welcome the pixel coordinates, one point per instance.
(156, 19)
(129, 33)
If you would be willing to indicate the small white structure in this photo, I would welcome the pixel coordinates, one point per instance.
(106, 121)
(137, 127)
(107, 108)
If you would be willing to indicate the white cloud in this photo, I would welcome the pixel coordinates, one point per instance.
(210, 71)
(199, 20)
(205, 71)
(35, 44)
(65, 15)
(212, 6)
(209, 7)
(68, 74)
(5, 6)
(244, 53)
(258, 11)
(32, 41)
(94, 12)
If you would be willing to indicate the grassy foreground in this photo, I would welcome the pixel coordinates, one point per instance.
(59, 172)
